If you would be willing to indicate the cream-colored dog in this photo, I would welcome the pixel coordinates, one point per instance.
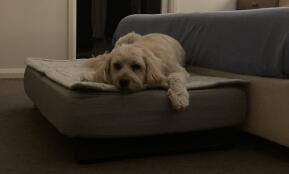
(137, 61)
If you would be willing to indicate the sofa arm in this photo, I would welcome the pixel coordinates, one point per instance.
(252, 42)
(268, 101)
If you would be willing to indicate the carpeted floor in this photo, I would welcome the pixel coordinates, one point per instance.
(28, 145)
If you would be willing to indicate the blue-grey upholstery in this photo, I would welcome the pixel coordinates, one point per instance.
(253, 42)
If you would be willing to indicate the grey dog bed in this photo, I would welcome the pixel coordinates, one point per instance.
(98, 114)
(139, 123)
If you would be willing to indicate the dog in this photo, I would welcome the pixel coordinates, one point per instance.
(136, 61)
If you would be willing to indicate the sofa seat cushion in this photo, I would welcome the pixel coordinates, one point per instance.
(94, 114)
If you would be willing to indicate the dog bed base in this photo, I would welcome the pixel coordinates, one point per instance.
(101, 150)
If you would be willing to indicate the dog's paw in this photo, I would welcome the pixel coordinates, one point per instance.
(179, 99)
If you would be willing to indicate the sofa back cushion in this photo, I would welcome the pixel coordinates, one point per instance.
(253, 42)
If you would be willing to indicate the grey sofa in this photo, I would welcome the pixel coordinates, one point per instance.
(252, 45)
(242, 44)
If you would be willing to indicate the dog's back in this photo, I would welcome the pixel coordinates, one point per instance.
(164, 46)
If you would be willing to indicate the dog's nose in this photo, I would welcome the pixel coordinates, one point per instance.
(124, 83)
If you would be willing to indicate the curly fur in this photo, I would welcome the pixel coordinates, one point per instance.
(149, 59)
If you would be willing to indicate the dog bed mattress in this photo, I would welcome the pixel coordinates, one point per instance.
(88, 113)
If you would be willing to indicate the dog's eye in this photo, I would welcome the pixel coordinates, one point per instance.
(117, 66)
(135, 67)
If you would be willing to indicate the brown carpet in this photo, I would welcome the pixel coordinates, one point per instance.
(28, 145)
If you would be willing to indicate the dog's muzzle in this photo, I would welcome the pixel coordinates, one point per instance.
(123, 83)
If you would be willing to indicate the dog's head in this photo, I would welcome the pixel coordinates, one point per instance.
(129, 67)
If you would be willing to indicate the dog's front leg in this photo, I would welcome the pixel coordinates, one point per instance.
(177, 92)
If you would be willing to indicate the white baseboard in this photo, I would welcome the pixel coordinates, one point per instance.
(11, 73)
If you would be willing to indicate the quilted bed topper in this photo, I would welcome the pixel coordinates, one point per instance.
(68, 73)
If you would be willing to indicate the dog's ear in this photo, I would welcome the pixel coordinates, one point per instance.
(155, 69)
(102, 68)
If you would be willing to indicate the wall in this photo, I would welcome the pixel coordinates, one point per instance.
(284, 3)
(36, 28)
(202, 5)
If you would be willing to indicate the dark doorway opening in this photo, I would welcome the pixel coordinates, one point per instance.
(98, 19)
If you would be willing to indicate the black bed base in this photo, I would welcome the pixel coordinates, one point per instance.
(101, 150)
